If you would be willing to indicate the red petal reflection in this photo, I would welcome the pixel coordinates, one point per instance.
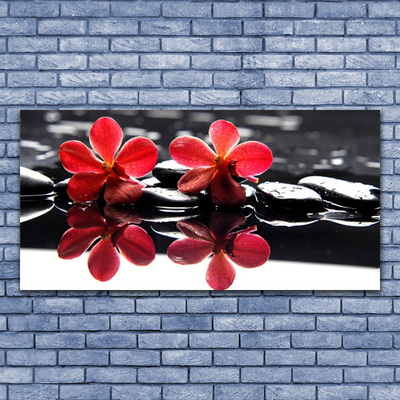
(103, 260)
(189, 251)
(249, 251)
(195, 230)
(220, 272)
(84, 216)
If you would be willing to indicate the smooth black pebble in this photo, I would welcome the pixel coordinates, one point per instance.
(35, 184)
(169, 172)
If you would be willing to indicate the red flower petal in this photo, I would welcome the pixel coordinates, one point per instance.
(75, 241)
(191, 152)
(222, 223)
(106, 137)
(220, 272)
(225, 191)
(121, 191)
(76, 157)
(85, 186)
(84, 216)
(195, 230)
(189, 251)
(224, 136)
(196, 180)
(103, 261)
(249, 250)
(135, 245)
(252, 158)
(138, 156)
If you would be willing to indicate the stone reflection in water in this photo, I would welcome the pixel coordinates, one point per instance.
(117, 233)
(224, 242)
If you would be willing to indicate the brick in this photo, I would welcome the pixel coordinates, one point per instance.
(367, 340)
(31, 45)
(31, 357)
(136, 79)
(163, 375)
(242, 323)
(111, 340)
(267, 61)
(289, 45)
(344, 392)
(57, 306)
(319, 61)
(61, 61)
(317, 96)
(373, 28)
(92, 9)
(342, 78)
(83, 79)
(386, 44)
(128, 9)
(367, 306)
(341, 323)
(59, 375)
(60, 341)
(110, 96)
(179, 9)
(239, 80)
(15, 306)
(288, 10)
(14, 340)
(260, 96)
(155, 97)
(32, 323)
(319, 27)
(16, 375)
(290, 392)
(218, 97)
(320, 305)
(165, 27)
(261, 28)
(317, 375)
(214, 340)
(212, 305)
(216, 62)
(88, 45)
(234, 392)
(270, 375)
(346, 10)
(136, 392)
(235, 45)
(135, 322)
(135, 44)
(290, 357)
(239, 10)
(322, 340)
(135, 357)
(384, 78)
(83, 357)
(214, 375)
(179, 392)
(289, 79)
(212, 27)
(17, 61)
(187, 323)
(341, 45)
(110, 375)
(186, 357)
(193, 45)
(109, 305)
(64, 97)
(386, 323)
(187, 79)
(382, 10)
(370, 61)
(84, 322)
(113, 27)
(93, 391)
(163, 340)
(113, 61)
(238, 357)
(368, 97)
(265, 340)
(39, 9)
(164, 61)
(368, 374)
(342, 358)
(384, 357)
(19, 26)
(61, 27)
(38, 392)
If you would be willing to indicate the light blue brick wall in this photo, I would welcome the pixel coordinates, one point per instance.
(199, 345)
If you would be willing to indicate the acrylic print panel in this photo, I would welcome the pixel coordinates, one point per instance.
(307, 221)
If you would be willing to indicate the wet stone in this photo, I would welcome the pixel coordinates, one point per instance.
(169, 172)
(352, 219)
(163, 215)
(344, 193)
(283, 217)
(173, 199)
(289, 196)
(35, 184)
(31, 209)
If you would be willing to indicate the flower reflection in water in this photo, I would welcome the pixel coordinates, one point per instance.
(223, 243)
(116, 233)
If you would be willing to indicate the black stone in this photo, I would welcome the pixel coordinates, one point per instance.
(35, 184)
(31, 209)
(352, 219)
(154, 214)
(288, 196)
(169, 199)
(169, 172)
(344, 193)
(168, 229)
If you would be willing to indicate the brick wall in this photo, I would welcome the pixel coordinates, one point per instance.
(199, 345)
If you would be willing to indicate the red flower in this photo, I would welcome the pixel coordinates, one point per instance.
(241, 247)
(215, 169)
(137, 157)
(115, 233)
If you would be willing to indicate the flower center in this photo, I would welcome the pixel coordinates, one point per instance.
(226, 164)
(106, 233)
(107, 167)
